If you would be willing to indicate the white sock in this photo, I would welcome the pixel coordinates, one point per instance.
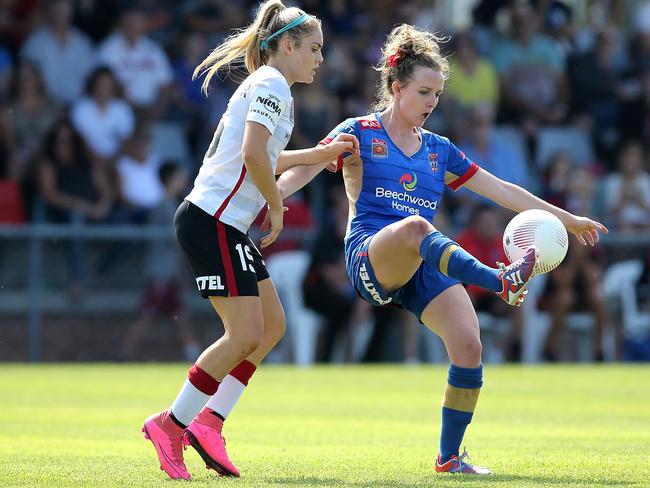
(228, 394)
(188, 403)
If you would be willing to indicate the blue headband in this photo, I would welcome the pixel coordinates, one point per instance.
(265, 43)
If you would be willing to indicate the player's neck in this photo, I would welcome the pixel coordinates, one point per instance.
(277, 63)
(397, 127)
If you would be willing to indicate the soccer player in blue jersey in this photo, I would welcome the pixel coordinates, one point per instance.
(393, 252)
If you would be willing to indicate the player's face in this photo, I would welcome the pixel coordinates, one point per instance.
(417, 99)
(308, 57)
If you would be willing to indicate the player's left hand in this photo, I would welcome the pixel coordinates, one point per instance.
(342, 143)
(585, 230)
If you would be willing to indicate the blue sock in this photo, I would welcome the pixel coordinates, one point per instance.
(443, 254)
(461, 395)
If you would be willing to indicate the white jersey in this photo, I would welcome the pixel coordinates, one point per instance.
(222, 187)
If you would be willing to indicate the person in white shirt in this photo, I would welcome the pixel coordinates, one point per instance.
(139, 63)
(64, 54)
(281, 47)
(102, 117)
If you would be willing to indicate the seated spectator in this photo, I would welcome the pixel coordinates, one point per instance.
(188, 103)
(6, 67)
(627, 192)
(162, 297)
(327, 289)
(139, 186)
(64, 54)
(483, 239)
(74, 189)
(576, 285)
(531, 69)
(556, 178)
(139, 63)
(597, 88)
(212, 18)
(635, 122)
(474, 80)
(28, 114)
(482, 145)
(102, 117)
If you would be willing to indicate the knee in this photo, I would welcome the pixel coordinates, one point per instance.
(248, 339)
(417, 228)
(473, 350)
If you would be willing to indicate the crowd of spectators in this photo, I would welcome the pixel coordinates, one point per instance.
(552, 95)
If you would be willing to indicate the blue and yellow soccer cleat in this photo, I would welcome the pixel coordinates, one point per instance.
(458, 465)
(515, 277)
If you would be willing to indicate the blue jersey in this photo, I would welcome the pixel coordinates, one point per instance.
(393, 185)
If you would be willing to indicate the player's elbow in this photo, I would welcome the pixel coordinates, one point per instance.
(253, 157)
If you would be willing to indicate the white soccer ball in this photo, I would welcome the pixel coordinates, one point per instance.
(541, 229)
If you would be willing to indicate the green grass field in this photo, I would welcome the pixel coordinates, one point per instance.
(79, 425)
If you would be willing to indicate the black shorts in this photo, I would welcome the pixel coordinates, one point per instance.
(225, 262)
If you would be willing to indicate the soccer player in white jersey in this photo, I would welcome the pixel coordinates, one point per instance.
(281, 47)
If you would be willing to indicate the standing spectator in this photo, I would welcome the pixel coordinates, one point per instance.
(64, 54)
(102, 117)
(531, 69)
(29, 113)
(139, 63)
(74, 189)
(162, 297)
(140, 189)
(627, 191)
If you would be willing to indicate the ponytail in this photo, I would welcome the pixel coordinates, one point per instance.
(245, 43)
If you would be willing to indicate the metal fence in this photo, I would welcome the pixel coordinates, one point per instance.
(33, 269)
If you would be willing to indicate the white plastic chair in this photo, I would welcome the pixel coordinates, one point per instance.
(619, 283)
(288, 269)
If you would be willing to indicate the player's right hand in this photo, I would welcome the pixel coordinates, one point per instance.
(273, 220)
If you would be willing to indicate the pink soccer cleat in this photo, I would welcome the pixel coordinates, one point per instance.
(204, 435)
(515, 277)
(167, 438)
(458, 465)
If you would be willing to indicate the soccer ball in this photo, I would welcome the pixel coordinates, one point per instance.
(541, 229)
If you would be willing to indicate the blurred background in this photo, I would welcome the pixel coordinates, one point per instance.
(102, 131)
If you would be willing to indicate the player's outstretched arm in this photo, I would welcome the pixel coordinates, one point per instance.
(518, 199)
(342, 143)
(296, 177)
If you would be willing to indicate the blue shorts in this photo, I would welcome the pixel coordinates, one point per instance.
(425, 285)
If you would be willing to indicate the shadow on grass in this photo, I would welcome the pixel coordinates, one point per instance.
(436, 480)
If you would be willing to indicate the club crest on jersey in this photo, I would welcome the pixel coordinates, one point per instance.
(433, 161)
(379, 148)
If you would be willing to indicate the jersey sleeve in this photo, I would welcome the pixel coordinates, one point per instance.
(348, 126)
(459, 167)
(268, 101)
